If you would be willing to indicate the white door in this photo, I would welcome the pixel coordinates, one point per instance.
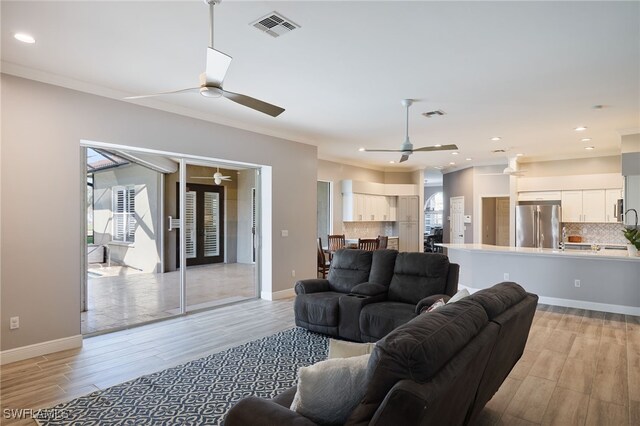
(456, 222)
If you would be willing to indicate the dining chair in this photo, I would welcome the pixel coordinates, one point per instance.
(369, 244)
(382, 242)
(323, 264)
(334, 243)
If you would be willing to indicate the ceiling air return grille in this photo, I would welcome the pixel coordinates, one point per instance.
(275, 24)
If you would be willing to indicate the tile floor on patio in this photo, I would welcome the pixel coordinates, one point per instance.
(120, 297)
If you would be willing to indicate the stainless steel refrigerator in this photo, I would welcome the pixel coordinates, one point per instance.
(538, 225)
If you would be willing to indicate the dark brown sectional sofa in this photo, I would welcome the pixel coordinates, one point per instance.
(440, 368)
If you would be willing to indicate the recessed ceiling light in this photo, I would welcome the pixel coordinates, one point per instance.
(580, 128)
(519, 155)
(392, 162)
(468, 159)
(438, 146)
(437, 167)
(496, 138)
(589, 148)
(361, 149)
(452, 163)
(25, 38)
(585, 139)
(454, 153)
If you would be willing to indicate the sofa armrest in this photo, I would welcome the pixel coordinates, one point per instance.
(254, 411)
(452, 279)
(369, 289)
(430, 300)
(311, 286)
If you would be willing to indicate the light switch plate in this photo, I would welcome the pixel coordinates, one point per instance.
(284, 233)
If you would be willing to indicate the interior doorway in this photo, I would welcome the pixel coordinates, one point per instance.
(495, 221)
(324, 210)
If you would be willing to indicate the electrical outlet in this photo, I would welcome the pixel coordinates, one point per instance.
(284, 232)
(293, 272)
(506, 276)
(14, 322)
(576, 283)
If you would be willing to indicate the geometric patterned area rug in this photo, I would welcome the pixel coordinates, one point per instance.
(200, 392)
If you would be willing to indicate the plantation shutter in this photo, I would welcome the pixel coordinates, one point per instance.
(123, 209)
(211, 224)
(190, 224)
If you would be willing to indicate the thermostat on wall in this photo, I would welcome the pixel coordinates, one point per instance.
(467, 218)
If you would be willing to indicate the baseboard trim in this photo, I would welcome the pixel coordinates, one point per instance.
(580, 304)
(282, 294)
(38, 349)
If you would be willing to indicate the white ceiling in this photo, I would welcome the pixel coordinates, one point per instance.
(528, 72)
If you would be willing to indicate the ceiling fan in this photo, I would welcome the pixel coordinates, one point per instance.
(215, 71)
(407, 147)
(217, 177)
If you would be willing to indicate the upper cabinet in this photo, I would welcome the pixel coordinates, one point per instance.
(593, 205)
(368, 208)
(373, 202)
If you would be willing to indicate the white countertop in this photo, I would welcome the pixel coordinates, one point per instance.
(602, 254)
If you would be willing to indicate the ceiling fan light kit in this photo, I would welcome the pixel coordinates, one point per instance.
(211, 79)
(406, 149)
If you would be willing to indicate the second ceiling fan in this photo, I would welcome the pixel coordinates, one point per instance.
(407, 147)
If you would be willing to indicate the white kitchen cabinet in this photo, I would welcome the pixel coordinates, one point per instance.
(408, 209)
(539, 196)
(593, 209)
(584, 206)
(408, 234)
(368, 208)
(611, 204)
(393, 208)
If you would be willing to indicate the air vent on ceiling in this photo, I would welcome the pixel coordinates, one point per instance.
(275, 24)
(497, 151)
(435, 113)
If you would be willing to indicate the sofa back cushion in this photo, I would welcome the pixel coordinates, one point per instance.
(349, 268)
(418, 275)
(382, 265)
(417, 350)
(497, 299)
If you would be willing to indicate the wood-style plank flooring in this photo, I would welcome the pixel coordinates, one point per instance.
(579, 367)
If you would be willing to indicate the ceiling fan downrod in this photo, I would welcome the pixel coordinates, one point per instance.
(211, 4)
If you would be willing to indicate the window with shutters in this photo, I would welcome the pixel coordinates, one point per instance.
(124, 214)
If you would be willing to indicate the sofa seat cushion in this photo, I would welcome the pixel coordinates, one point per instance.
(379, 319)
(318, 308)
(418, 275)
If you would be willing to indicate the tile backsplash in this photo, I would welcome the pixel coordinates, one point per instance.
(353, 230)
(601, 233)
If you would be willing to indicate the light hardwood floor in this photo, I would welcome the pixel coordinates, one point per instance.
(579, 367)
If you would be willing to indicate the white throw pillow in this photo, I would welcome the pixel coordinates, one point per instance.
(459, 295)
(343, 349)
(330, 390)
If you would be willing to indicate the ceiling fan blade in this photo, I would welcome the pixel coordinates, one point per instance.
(437, 148)
(383, 150)
(403, 158)
(253, 103)
(201, 177)
(217, 66)
(225, 177)
(191, 89)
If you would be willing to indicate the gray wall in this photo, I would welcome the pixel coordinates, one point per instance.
(429, 191)
(42, 126)
(458, 184)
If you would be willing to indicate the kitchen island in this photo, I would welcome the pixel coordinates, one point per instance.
(607, 280)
